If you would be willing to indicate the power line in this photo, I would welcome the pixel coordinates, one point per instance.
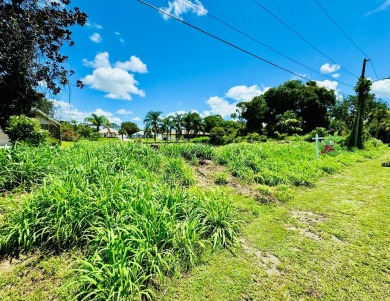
(301, 37)
(228, 43)
(379, 81)
(343, 32)
(261, 43)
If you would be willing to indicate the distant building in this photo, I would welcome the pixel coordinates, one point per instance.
(108, 133)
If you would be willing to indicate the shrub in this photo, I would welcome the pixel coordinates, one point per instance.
(204, 140)
(23, 128)
(217, 135)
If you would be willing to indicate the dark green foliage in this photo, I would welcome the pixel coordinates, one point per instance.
(25, 129)
(30, 51)
(129, 128)
(362, 88)
(212, 122)
(217, 136)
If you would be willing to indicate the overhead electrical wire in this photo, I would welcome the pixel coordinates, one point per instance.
(301, 37)
(353, 43)
(228, 43)
(261, 43)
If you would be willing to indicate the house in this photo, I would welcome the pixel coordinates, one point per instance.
(47, 123)
(108, 133)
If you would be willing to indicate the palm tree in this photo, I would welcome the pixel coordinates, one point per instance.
(152, 120)
(97, 121)
(178, 124)
(164, 126)
(122, 132)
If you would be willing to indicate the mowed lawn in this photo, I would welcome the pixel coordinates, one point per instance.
(331, 242)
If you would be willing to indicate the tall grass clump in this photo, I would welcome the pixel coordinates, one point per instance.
(188, 151)
(288, 164)
(127, 208)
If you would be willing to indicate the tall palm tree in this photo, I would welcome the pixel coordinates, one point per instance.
(97, 121)
(152, 120)
(178, 121)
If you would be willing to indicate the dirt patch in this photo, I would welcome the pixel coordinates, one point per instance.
(265, 260)
(306, 220)
(307, 217)
(206, 173)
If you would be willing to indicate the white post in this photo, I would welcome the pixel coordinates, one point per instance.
(317, 139)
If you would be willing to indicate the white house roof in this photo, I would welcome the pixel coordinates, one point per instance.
(105, 131)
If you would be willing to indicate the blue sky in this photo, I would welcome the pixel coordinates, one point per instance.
(132, 59)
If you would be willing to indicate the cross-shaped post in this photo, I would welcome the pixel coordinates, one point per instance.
(317, 139)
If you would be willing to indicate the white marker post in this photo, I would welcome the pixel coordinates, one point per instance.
(317, 139)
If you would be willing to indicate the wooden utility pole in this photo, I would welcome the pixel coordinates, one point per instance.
(361, 100)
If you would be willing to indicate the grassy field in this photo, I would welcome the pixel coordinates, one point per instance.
(330, 242)
(103, 221)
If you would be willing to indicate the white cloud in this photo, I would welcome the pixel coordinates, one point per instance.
(381, 88)
(117, 33)
(124, 112)
(134, 65)
(66, 111)
(122, 40)
(221, 106)
(95, 37)
(382, 7)
(336, 75)
(136, 119)
(330, 85)
(93, 25)
(327, 68)
(177, 8)
(245, 93)
(115, 81)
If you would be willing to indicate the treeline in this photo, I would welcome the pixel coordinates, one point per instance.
(293, 108)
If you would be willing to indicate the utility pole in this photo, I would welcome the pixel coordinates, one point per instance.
(361, 100)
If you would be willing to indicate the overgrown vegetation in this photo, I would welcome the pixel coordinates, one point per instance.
(124, 205)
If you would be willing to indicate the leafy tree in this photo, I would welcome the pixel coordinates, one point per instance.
(288, 123)
(152, 121)
(213, 121)
(97, 121)
(129, 128)
(254, 112)
(46, 106)
(31, 36)
(23, 128)
(309, 101)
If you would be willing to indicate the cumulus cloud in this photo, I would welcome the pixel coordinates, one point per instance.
(67, 111)
(115, 79)
(382, 7)
(177, 8)
(336, 75)
(221, 106)
(381, 88)
(330, 85)
(245, 93)
(136, 119)
(134, 65)
(327, 68)
(95, 37)
(124, 112)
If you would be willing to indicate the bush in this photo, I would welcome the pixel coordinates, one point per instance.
(204, 140)
(23, 128)
(322, 132)
(217, 135)
(256, 137)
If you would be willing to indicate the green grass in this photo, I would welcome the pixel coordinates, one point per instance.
(332, 243)
(125, 206)
(138, 223)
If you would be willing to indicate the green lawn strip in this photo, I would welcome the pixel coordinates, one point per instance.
(36, 277)
(332, 242)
